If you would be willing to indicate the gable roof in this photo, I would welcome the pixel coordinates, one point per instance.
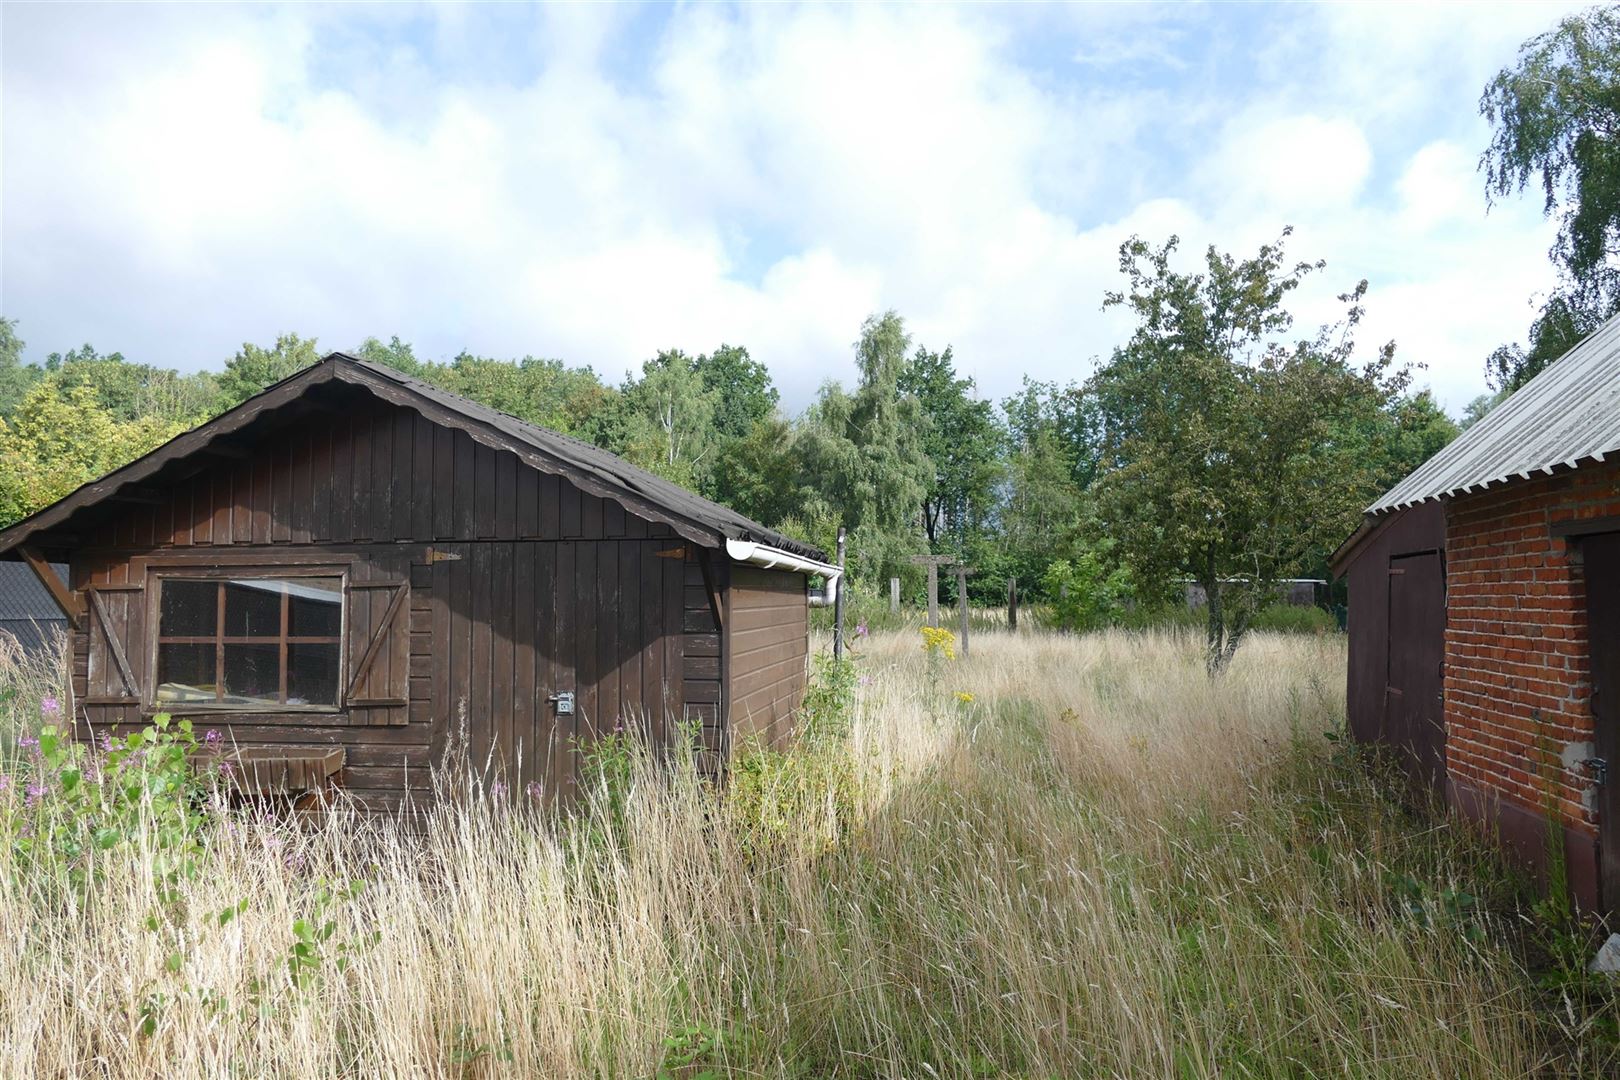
(589, 467)
(1568, 414)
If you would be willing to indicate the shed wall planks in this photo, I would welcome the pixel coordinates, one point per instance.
(769, 637)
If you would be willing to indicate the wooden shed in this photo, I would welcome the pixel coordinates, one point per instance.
(1485, 621)
(354, 560)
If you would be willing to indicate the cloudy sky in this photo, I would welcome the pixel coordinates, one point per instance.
(598, 182)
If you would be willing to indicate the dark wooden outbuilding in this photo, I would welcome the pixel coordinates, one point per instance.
(354, 560)
(1395, 570)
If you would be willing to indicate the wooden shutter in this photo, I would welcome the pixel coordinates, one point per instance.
(116, 655)
(379, 637)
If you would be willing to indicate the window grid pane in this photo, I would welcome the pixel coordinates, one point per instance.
(250, 642)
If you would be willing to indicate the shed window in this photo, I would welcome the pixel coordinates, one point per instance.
(250, 642)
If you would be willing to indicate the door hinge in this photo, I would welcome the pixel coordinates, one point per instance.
(672, 553)
(1598, 767)
(435, 555)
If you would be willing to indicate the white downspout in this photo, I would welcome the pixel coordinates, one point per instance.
(771, 558)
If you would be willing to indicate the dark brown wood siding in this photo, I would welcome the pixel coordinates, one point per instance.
(512, 586)
(1377, 633)
(703, 658)
(768, 632)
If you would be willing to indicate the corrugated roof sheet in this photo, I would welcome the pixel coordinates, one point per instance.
(1567, 414)
(23, 599)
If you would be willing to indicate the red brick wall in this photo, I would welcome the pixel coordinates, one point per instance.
(1516, 641)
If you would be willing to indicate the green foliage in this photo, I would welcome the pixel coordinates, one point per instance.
(745, 396)
(669, 419)
(863, 454)
(15, 376)
(56, 440)
(962, 443)
(81, 803)
(829, 698)
(254, 367)
(1089, 592)
(1554, 115)
(546, 392)
(1295, 619)
(1224, 460)
(316, 945)
(758, 475)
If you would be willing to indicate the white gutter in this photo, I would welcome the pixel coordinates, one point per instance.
(770, 558)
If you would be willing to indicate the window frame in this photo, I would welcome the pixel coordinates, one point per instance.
(221, 575)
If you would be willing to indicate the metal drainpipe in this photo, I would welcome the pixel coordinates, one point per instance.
(838, 603)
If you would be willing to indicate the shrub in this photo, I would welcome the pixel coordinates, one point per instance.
(79, 801)
(1084, 594)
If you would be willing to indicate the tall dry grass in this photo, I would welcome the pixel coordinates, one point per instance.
(1102, 865)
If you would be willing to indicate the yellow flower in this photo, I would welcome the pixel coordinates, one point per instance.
(939, 641)
(964, 697)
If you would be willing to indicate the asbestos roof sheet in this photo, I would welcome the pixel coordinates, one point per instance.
(1568, 414)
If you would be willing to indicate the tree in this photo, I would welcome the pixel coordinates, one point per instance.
(254, 368)
(862, 453)
(1558, 329)
(1225, 459)
(960, 440)
(743, 385)
(1477, 409)
(58, 439)
(1555, 117)
(396, 354)
(758, 474)
(669, 423)
(15, 376)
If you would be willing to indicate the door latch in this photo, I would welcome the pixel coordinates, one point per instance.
(1598, 767)
(564, 702)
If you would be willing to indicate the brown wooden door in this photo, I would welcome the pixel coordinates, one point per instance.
(1601, 555)
(1413, 714)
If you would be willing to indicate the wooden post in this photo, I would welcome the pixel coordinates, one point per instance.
(933, 562)
(1012, 603)
(838, 603)
(962, 573)
(894, 596)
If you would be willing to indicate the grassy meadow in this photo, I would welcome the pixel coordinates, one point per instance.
(1059, 857)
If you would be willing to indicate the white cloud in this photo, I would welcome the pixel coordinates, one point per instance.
(177, 182)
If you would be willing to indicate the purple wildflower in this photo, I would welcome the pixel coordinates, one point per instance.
(50, 707)
(860, 629)
(497, 789)
(29, 742)
(211, 737)
(106, 742)
(864, 680)
(5, 782)
(534, 790)
(36, 792)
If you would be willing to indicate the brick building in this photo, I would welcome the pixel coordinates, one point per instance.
(1485, 620)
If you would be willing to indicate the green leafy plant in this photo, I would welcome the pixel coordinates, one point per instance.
(316, 944)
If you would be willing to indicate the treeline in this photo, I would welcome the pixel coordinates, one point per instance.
(1213, 444)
